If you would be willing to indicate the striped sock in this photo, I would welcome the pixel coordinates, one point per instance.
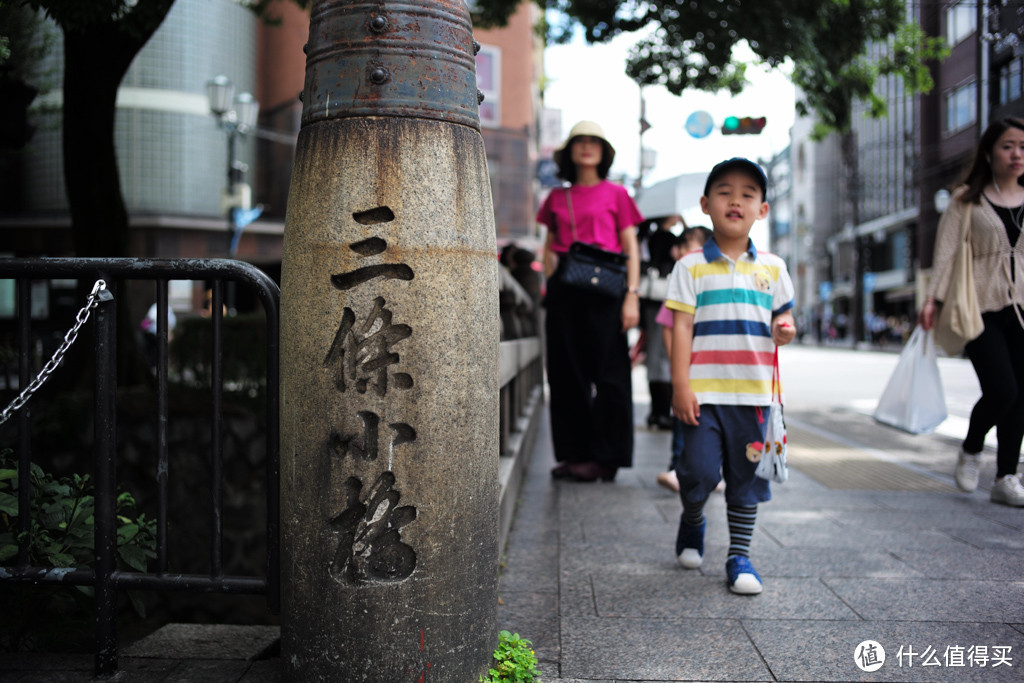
(741, 528)
(693, 513)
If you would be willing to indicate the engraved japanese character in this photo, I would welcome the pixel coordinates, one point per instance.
(370, 548)
(361, 353)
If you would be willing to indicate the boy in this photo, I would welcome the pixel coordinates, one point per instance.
(731, 306)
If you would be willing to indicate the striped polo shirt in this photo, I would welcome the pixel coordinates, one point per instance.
(733, 303)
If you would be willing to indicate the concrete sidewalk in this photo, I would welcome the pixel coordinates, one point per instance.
(869, 540)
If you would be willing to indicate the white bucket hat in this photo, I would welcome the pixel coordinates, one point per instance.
(584, 128)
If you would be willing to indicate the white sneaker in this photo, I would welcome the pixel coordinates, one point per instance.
(690, 558)
(967, 467)
(1008, 490)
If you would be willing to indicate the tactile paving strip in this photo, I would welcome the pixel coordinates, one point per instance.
(841, 467)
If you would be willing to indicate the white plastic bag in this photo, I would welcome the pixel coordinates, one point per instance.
(772, 465)
(913, 399)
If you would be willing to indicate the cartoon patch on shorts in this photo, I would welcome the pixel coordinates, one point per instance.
(762, 282)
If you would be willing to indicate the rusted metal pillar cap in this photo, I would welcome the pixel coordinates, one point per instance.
(412, 58)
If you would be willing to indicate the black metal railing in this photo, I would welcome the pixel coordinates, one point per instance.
(521, 377)
(104, 576)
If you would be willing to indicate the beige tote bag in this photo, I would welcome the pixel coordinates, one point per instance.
(960, 318)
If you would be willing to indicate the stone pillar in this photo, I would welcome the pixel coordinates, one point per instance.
(389, 355)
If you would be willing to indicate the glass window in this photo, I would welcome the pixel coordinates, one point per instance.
(961, 106)
(1013, 91)
(488, 81)
(961, 21)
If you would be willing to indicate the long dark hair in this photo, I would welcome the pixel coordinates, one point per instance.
(979, 173)
(567, 169)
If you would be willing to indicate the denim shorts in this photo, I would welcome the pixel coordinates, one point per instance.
(716, 449)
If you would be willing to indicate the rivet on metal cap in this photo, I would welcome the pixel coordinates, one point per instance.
(305, 48)
(379, 75)
(479, 97)
(476, 48)
(379, 24)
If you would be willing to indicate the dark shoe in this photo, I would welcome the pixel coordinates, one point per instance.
(562, 471)
(592, 471)
(659, 422)
(690, 544)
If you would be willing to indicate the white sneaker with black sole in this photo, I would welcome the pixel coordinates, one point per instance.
(1008, 491)
(967, 467)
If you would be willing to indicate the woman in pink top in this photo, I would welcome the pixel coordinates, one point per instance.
(587, 355)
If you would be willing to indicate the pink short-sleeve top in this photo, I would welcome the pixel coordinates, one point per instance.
(600, 211)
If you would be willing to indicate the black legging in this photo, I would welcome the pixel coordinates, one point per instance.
(998, 359)
(589, 376)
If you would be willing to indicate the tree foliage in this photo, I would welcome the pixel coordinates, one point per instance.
(691, 44)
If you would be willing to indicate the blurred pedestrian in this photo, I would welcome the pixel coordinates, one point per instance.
(588, 364)
(993, 187)
(664, 250)
(150, 340)
(692, 239)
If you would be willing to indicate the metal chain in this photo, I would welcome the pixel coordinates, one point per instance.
(58, 355)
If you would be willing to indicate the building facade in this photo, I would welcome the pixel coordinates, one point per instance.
(173, 155)
(874, 204)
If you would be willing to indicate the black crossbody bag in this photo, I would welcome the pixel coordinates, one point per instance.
(591, 268)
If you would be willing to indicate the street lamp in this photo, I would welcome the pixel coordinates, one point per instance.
(236, 115)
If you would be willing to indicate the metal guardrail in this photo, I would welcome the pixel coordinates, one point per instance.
(104, 576)
(521, 373)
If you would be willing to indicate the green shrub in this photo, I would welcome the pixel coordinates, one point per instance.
(61, 535)
(514, 661)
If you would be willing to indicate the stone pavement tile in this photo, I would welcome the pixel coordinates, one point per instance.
(849, 537)
(787, 496)
(659, 650)
(991, 538)
(647, 557)
(948, 521)
(825, 651)
(818, 562)
(530, 568)
(263, 671)
(964, 503)
(576, 595)
(205, 670)
(533, 616)
(931, 600)
(983, 564)
(17, 667)
(1011, 517)
(693, 594)
(205, 641)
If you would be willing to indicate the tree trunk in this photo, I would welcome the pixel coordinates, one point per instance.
(93, 68)
(96, 57)
(852, 166)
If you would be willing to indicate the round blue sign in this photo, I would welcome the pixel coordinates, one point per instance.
(699, 124)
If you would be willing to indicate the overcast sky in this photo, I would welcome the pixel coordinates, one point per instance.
(589, 82)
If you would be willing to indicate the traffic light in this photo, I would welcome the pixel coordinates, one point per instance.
(745, 125)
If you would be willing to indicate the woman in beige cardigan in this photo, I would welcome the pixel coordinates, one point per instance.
(995, 186)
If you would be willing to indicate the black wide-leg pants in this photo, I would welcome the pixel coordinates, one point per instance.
(589, 376)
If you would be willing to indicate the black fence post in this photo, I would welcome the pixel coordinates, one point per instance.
(106, 484)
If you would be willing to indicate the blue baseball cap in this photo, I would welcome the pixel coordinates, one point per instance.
(738, 164)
